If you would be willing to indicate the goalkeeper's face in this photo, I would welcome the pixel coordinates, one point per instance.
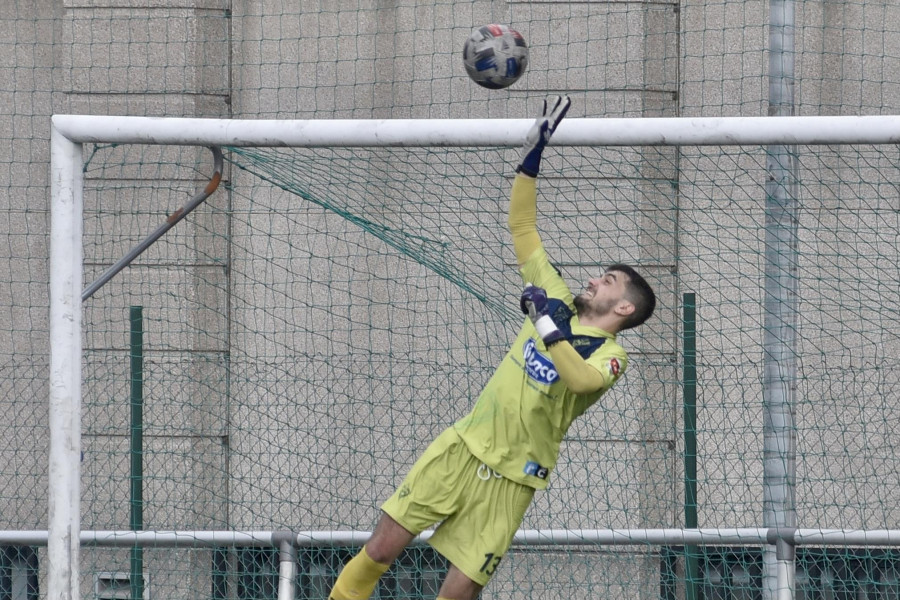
(603, 295)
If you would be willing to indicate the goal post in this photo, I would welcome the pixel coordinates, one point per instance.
(64, 495)
(69, 134)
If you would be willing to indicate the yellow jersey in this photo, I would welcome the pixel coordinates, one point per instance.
(518, 422)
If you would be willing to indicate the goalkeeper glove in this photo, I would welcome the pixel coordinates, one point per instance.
(535, 304)
(540, 133)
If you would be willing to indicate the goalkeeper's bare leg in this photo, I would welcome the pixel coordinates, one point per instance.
(359, 577)
(458, 586)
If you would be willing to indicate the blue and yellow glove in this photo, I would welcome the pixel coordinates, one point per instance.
(555, 108)
(535, 304)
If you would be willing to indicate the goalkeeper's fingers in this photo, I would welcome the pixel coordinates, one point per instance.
(523, 299)
(560, 108)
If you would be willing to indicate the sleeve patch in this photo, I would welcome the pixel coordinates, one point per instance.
(614, 367)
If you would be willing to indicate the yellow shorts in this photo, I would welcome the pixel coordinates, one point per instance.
(479, 511)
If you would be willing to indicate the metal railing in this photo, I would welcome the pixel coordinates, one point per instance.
(288, 542)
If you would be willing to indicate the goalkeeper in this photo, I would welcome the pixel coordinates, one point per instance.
(479, 476)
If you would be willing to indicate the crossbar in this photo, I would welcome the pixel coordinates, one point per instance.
(674, 131)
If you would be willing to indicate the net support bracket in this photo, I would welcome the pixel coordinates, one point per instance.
(170, 222)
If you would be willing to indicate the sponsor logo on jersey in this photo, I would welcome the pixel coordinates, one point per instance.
(581, 342)
(614, 367)
(532, 468)
(539, 367)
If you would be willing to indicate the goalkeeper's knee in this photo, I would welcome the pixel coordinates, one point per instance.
(358, 578)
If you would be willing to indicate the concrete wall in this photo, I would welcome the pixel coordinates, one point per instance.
(238, 296)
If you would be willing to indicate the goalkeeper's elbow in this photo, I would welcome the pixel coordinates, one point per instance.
(521, 222)
(580, 385)
(578, 376)
(581, 389)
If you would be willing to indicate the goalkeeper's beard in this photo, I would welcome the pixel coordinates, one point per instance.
(583, 307)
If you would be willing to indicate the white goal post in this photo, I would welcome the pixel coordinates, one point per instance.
(70, 132)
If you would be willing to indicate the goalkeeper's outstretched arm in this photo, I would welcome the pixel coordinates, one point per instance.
(523, 199)
(522, 219)
(575, 372)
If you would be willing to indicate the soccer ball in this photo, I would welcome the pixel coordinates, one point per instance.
(495, 56)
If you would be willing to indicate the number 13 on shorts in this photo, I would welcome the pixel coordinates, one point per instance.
(491, 561)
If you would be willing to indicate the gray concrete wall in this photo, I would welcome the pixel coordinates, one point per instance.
(264, 310)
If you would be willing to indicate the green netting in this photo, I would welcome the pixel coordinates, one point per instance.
(327, 312)
(309, 332)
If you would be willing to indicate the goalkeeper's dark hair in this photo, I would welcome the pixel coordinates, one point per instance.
(639, 293)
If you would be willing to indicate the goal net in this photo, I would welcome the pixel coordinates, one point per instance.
(307, 330)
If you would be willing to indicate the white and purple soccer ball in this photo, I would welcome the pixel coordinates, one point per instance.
(495, 56)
